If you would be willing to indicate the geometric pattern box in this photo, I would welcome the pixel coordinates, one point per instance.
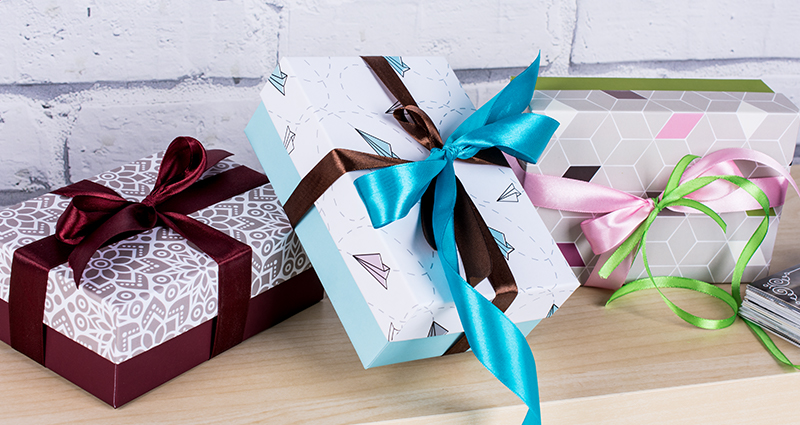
(143, 312)
(628, 134)
(387, 285)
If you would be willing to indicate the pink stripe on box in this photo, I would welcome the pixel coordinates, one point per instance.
(679, 126)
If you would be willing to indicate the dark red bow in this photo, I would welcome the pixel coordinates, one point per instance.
(98, 216)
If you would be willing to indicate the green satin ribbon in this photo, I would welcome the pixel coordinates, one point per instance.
(675, 195)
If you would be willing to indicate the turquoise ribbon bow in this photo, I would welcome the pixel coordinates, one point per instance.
(390, 193)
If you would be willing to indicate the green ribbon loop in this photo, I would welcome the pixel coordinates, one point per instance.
(675, 195)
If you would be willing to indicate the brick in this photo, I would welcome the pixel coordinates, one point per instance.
(67, 41)
(32, 153)
(480, 93)
(634, 30)
(470, 34)
(118, 127)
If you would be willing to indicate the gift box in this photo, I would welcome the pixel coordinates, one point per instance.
(387, 284)
(628, 134)
(146, 308)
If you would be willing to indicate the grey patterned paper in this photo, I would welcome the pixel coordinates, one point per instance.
(147, 289)
(632, 140)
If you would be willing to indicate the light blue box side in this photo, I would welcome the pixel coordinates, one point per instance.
(367, 338)
(365, 335)
(404, 351)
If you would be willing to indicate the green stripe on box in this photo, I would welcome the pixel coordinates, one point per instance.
(674, 84)
(760, 213)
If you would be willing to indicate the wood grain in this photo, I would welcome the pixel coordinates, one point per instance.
(631, 362)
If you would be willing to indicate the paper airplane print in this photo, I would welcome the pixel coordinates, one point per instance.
(373, 264)
(397, 63)
(552, 310)
(381, 148)
(436, 330)
(511, 194)
(393, 107)
(500, 238)
(288, 140)
(278, 79)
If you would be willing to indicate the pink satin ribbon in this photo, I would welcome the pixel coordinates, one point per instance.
(623, 213)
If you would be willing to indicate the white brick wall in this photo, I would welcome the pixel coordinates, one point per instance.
(68, 41)
(471, 34)
(118, 125)
(86, 85)
(685, 30)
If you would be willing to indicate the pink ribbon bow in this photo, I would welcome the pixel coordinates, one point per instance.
(623, 213)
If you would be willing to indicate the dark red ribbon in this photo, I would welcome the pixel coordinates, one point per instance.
(98, 216)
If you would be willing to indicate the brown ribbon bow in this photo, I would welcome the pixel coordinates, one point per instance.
(98, 216)
(480, 255)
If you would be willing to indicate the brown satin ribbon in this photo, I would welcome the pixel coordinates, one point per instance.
(32, 262)
(480, 260)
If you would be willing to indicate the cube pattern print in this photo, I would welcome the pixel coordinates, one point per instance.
(631, 140)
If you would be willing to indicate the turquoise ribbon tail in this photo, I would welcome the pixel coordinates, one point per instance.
(494, 338)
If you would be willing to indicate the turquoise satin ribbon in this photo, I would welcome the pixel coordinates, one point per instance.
(389, 194)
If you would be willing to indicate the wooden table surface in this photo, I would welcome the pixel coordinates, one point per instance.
(631, 363)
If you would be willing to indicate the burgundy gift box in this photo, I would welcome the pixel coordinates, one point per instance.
(146, 308)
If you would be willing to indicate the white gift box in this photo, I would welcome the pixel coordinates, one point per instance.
(387, 284)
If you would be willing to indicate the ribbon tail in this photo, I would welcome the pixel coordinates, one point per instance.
(214, 156)
(480, 260)
(495, 339)
(234, 260)
(28, 290)
(332, 166)
(617, 277)
(88, 187)
(512, 100)
(473, 246)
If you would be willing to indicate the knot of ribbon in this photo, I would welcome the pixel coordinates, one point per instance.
(97, 216)
(450, 222)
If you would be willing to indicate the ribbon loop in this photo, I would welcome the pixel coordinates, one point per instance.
(391, 192)
(420, 126)
(183, 164)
